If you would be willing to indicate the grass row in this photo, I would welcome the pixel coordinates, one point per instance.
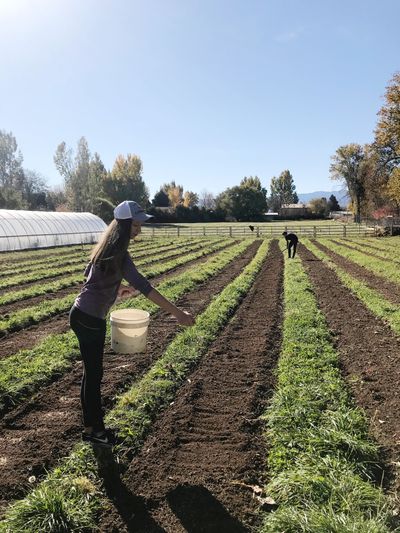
(23, 373)
(140, 248)
(69, 281)
(23, 255)
(382, 253)
(380, 267)
(371, 298)
(70, 498)
(321, 458)
(387, 243)
(38, 312)
(78, 264)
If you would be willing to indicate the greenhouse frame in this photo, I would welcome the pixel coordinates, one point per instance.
(21, 230)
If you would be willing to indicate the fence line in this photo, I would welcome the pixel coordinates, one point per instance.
(273, 230)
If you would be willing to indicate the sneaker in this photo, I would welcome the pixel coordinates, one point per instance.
(104, 438)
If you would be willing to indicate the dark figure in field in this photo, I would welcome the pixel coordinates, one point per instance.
(291, 241)
(251, 228)
(110, 262)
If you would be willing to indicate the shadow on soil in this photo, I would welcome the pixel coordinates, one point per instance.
(199, 511)
(131, 508)
(194, 506)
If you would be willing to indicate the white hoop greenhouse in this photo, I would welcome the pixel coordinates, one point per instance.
(20, 230)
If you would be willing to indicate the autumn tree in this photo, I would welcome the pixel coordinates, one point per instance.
(393, 188)
(190, 199)
(351, 165)
(283, 191)
(387, 146)
(387, 133)
(75, 171)
(319, 207)
(174, 192)
(125, 181)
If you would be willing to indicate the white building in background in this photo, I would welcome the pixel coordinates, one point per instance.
(21, 230)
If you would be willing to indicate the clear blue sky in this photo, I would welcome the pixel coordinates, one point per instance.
(204, 91)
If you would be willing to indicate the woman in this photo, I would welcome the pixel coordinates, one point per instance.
(109, 263)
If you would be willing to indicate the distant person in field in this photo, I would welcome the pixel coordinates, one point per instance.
(110, 262)
(291, 242)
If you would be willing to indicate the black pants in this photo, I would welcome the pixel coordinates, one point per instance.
(91, 333)
(291, 245)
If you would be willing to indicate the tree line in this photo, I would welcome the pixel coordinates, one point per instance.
(371, 173)
(89, 187)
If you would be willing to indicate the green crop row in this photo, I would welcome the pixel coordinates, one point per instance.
(380, 267)
(65, 282)
(70, 497)
(10, 257)
(44, 273)
(140, 248)
(22, 373)
(37, 275)
(370, 297)
(388, 243)
(320, 455)
(46, 309)
(383, 253)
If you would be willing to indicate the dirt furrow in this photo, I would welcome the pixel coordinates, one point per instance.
(369, 353)
(195, 469)
(32, 335)
(44, 428)
(388, 289)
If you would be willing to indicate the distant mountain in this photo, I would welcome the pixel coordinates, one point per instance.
(341, 196)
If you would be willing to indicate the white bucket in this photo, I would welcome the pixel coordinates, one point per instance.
(129, 330)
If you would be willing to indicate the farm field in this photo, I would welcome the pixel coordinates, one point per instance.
(278, 411)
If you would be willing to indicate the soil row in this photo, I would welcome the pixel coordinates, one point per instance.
(32, 335)
(196, 469)
(388, 289)
(36, 434)
(368, 351)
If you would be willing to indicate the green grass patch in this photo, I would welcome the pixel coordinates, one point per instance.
(321, 458)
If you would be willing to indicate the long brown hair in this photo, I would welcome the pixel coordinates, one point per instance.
(110, 251)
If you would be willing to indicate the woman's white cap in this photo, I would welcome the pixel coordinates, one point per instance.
(130, 209)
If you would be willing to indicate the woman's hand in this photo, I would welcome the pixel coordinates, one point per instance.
(184, 318)
(125, 292)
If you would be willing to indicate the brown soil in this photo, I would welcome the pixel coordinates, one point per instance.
(36, 434)
(196, 468)
(368, 351)
(30, 336)
(388, 289)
